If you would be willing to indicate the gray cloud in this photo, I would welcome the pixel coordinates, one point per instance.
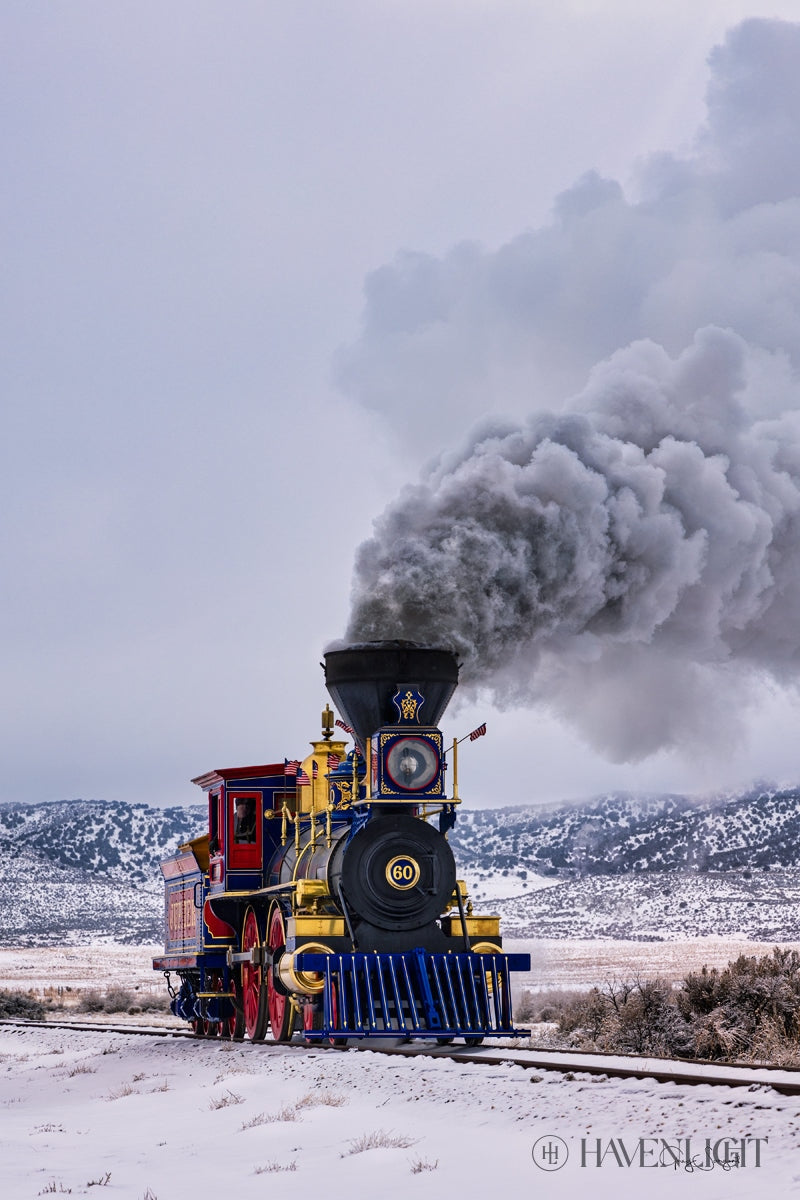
(633, 559)
(712, 239)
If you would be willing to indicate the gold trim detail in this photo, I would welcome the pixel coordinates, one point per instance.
(402, 872)
(476, 927)
(309, 983)
(303, 926)
(310, 892)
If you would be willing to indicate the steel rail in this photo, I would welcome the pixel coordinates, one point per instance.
(692, 1072)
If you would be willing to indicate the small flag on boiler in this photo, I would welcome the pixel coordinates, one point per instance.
(291, 768)
(479, 732)
(333, 761)
(302, 777)
(314, 769)
(342, 725)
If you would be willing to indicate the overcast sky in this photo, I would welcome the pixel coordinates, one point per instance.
(261, 263)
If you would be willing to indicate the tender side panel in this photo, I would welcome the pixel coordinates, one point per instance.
(183, 899)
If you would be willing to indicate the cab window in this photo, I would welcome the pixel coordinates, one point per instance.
(244, 829)
(244, 820)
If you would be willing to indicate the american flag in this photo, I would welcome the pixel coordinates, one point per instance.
(333, 761)
(314, 770)
(302, 777)
(291, 768)
(479, 732)
(342, 725)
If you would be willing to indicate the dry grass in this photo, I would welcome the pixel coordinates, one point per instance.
(271, 1167)
(126, 1089)
(292, 1112)
(226, 1074)
(326, 1099)
(380, 1139)
(419, 1165)
(81, 1068)
(226, 1100)
(287, 1113)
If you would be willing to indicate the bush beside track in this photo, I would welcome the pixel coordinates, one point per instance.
(748, 1011)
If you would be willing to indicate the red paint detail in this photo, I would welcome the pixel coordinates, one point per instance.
(174, 962)
(180, 864)
(216, 926)
(244, 855)
(226, 774)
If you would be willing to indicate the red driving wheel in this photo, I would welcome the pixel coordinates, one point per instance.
(252, 992)
(338, 1042)
(280, 1008)
(312, 1021)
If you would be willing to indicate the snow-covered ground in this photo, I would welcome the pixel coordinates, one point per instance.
(134, 1118)
(125, 1116)
(87, 966)
(488, 886)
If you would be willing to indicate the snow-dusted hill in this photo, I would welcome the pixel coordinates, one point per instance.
(86, 869)
(618, 834)
(618, 866)
(118, 841)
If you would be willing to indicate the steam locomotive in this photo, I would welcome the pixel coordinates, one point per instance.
(323, 898)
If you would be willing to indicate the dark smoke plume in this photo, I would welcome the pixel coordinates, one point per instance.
(633, 562)
(626, 562)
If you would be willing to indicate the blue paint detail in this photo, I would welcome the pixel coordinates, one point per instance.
(188, 1006)
(416, 994)
(358, 821)
(389, 738)
(432, 1018)
(408, 702)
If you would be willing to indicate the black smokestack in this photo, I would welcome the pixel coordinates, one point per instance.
(363, 680)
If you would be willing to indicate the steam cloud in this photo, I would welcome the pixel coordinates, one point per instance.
(633, 562)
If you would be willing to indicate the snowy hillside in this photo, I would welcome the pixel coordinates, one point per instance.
(618, 866)
(86, 869)
(118, 841)
(617, 834)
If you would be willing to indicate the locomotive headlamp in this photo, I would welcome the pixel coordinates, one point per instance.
(412, 764)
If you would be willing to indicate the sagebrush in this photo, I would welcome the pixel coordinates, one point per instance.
(749, 1010)
(25, 1005)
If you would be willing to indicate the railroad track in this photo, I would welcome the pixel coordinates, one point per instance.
(664, 1070)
